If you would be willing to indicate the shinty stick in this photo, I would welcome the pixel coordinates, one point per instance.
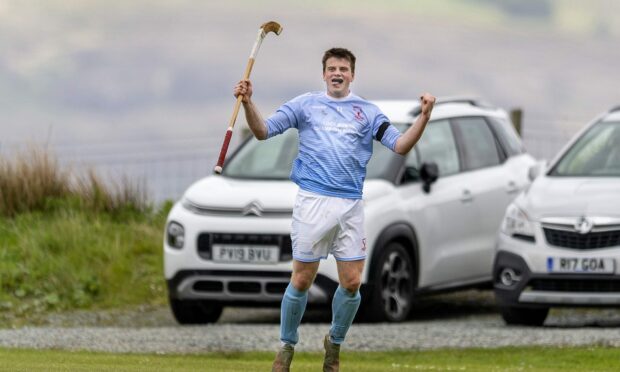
(262, 32)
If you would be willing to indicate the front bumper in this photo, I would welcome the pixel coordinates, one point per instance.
(538, 288)
(243, 287)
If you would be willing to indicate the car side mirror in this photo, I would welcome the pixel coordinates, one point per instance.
(536, 170)
(429, 172)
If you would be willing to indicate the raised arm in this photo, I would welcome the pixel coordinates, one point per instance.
(405, 143)
(252, 115)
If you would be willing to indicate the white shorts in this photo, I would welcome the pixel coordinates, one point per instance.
(326, 224)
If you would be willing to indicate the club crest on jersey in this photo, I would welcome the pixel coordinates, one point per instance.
(358, 113)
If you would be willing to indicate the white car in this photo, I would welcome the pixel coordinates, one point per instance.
(559, 243)
(431, 217)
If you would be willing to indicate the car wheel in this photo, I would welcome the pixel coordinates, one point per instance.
(524, 315)
(195, 311)
(394, 277)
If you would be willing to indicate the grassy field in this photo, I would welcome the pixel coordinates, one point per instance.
(70, 241)
(73, 242)
(505, 359)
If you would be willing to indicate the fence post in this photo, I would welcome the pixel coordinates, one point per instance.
(516, 116)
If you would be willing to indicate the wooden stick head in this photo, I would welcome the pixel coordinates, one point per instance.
(271, 27)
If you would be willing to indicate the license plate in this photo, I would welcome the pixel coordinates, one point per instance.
(246, 253)
(582, 265)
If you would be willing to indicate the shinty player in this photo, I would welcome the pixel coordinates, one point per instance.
(336, 132)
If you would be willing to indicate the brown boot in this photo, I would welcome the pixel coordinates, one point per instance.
(283, 360)
(331, 363)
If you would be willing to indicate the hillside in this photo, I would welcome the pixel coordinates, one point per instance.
(145, 86)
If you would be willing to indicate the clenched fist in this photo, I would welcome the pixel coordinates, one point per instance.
(427, 101)
(244, 89)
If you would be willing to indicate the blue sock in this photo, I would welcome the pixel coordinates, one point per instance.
(344, 308)
(293, 307)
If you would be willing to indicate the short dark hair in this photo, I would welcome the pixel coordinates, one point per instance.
(339, 53)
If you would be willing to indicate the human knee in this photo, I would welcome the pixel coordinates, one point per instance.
(351, 284)
(302, 281)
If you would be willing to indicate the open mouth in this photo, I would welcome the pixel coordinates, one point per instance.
(337, 81)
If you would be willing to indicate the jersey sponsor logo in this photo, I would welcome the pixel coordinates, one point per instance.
(339, 127)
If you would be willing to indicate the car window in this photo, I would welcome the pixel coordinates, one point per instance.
(272, 159)
(413, 159)
(412, 167)
(437, 145)
(596, 153)
(507, 135)
(479, 148)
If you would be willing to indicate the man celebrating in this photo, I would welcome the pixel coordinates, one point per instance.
(336, 130)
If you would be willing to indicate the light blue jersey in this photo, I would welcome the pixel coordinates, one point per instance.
(335, 141)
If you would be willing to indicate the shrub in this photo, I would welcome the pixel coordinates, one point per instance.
(33, 180)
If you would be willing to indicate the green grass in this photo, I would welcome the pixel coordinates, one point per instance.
(74, 259)
(74, 241)
(505, 359)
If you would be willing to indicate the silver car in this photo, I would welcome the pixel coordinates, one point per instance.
(559, 243)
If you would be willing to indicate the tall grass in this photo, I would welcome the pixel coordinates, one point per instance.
(70, 241)
(32, 179)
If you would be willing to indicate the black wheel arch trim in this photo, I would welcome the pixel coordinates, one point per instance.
(403, 233)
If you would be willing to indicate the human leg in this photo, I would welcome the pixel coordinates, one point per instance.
(344, 307)
(292, 310)
(295, 299)
(346, 299)
(349, 249)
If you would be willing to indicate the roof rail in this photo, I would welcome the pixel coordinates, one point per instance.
(614, 109)
(473, 101)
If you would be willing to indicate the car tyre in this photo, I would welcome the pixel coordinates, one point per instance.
(524, 316)
(391, 297)
(195, 311)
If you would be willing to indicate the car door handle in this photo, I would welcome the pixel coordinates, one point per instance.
(466, 196)
(512, 187)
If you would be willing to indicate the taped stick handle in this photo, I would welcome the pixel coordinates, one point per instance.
(220, 160)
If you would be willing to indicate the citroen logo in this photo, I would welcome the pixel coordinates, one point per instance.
(583, 225)
(253, 208)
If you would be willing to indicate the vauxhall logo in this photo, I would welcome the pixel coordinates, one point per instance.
(583, 225)
(254, 208)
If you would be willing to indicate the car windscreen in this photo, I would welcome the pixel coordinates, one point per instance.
(273, 159)
(595, 154)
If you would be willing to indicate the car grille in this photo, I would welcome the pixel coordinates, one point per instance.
(575, 285)
(206, 240)
(593, 240)
(246, 287)
(236, 212)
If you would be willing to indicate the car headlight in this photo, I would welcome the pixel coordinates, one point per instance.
(517, 225)
(175, 235)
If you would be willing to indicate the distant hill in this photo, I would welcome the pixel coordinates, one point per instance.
(103, 80)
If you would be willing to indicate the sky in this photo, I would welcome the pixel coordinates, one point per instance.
(145, 87)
